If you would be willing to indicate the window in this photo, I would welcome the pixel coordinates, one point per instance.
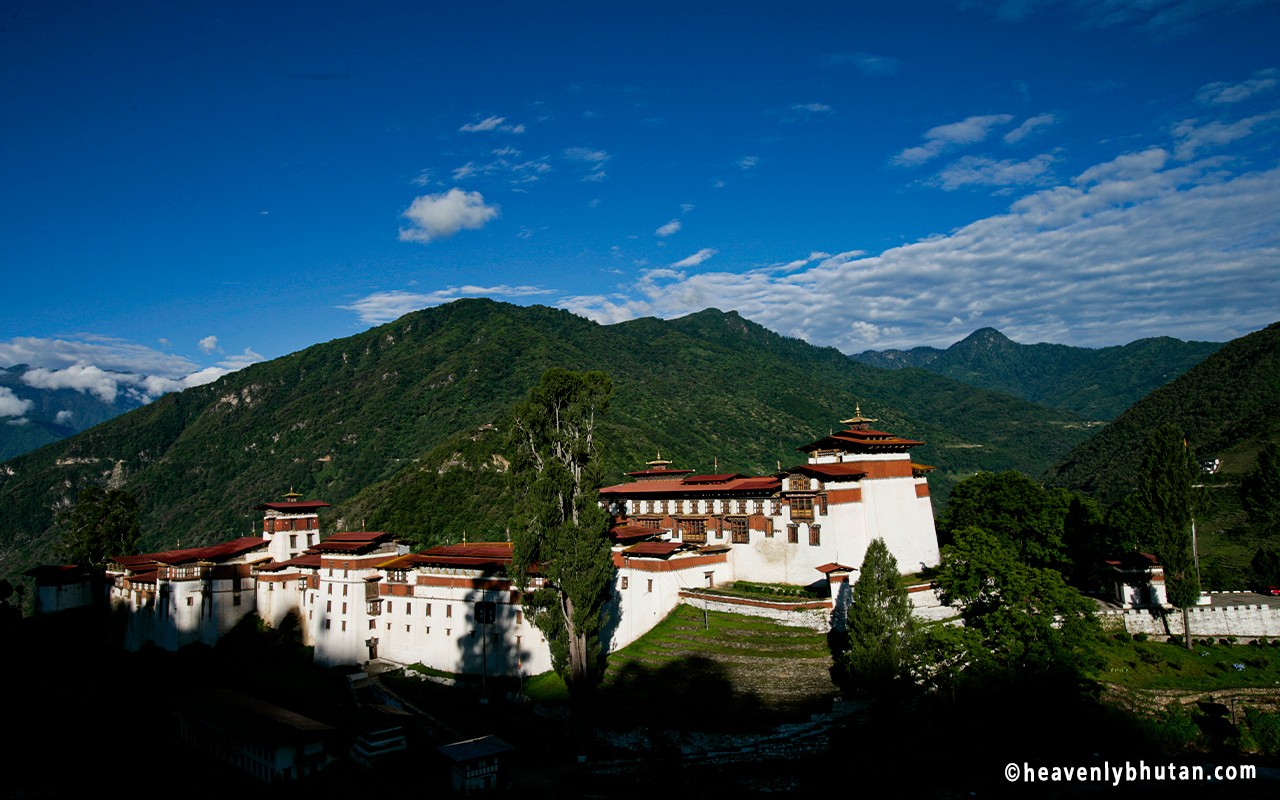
(344, 608)
(408, 608)
(802, 507)
(235, 598)
(330, 588)
(344, 624)
(326, 624)
(388, 606)
(344, 590)
(448, 612)
(624, 582)
(793, 533)
(293, 541)
(651, 584)
(738, 530)
(768, 527)
(649, 522)
(710, 578)
(519, 617)
(328, 606)
(428, 609)
(815, 535)
(189, 600)
(694, 530)
(373, 624)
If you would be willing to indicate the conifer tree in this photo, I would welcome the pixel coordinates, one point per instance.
(882, 631)
(1166, 490)
(1260, 490)
(102, 523)
(562, 535)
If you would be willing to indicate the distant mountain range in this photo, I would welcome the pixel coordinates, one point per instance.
(1226, 406)
(53, 414)
(712, 391)
(1096, 384)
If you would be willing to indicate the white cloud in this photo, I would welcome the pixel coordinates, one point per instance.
(380, 307)
(11, 405)
(492, 124)
(208, 344)
(586, 154)
(748, 162)
(108, 368)
(64, 417)
(1193, 137)
(1223, 93)
(668, 229)
(1028, 126)
(686, 207)
(979, 171)
(1161, 18)
(812, 108)
(1142, 245)
(695, 259)
(439, 216)
(943, 137)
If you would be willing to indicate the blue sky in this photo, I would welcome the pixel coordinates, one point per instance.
(189, 187)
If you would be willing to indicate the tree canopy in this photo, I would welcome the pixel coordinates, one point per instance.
(1028, 622)
(1015, 507)
(101, 524)
(561, 544)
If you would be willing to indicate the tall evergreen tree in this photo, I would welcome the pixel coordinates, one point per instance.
(882, 631)
(562, 534)
(1166, 489)
(1260, 490)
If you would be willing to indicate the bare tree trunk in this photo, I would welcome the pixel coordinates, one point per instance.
(1186, 628)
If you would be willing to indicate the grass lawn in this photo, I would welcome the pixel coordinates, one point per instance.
(1161, 665)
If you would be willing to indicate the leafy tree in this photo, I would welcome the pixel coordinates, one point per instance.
(1260, 490)
(562, 533)
(882, 630)
(1030, 623)
(1166, 491)
(102, 523)
(1017, 508)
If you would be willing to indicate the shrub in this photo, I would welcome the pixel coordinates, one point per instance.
(1140, 637)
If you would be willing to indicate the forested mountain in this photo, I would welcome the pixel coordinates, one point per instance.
(1094, 384)
(1225, 406)
(711, 390)
(51, 414)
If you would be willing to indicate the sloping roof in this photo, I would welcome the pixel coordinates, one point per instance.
(485, 556)
(850, 472)
(1135, 560)
(861, 441)
(299, 507)
(632, 533)
(732, 484)
(720, 478)
(304, 561)
(655, 549)
(827, 569)
(351, 542)
(224, 551)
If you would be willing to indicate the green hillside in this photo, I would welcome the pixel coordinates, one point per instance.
(369, 412)
(1097, 384)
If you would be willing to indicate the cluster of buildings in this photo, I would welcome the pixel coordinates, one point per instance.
(362, 595)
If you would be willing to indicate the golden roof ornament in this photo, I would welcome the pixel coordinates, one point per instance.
(857, 420)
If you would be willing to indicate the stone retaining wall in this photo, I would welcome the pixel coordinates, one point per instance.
(1245, 622)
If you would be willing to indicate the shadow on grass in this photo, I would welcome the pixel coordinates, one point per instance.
(689, 693)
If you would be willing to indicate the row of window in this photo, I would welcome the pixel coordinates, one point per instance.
(694, 531)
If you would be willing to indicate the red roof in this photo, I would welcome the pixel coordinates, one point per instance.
(659, 549)
(58, 574)
(489, 556)
(861, 441)
(218, 552)
(306, 561)
(299, 506)
(755, 485)
(351, 542)
(827, 569)
(721, 478)
(847, 471)
(630, 533)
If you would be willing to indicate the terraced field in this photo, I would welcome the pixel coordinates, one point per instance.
(721, 670)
